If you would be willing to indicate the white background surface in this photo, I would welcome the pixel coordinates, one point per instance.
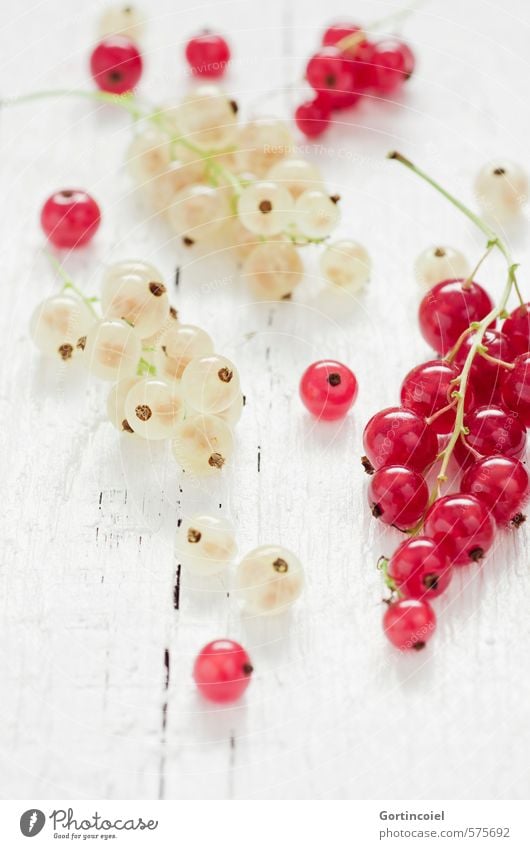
(87, 571)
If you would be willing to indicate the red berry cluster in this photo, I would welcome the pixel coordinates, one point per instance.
(403, 443)
(347, 66)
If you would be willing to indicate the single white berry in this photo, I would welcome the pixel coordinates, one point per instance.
(148, 155)
(501, 188)
(205, 545)
(124, 20)
(316, 214)
(58, 326)
(154, 408)
(207, 118)
(265, 208)
(261, 144)
(346, 264)
(269, 579)
(112, 349)
(203, 444)
(116, 404)
(296, 175)
(439, 263)
(198, 211)
(177, 346)
(232, 414)
(273, 270)
(132, 293)
(161, 189)
(210, 384)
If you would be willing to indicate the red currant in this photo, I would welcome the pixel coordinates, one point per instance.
(336, 32)
(70, 218)
(399, 437)
(393, 63)
(516, 388)
(462, 525)
(313, 117)
(328, 71)
(485, 377)
(420, 568)
(492, 430)
(328, 389)
(448, 309)
(409, 623)
(361, 66)
(207, 54)
(501, 483)
(222, 671)
(398, 496)
(517, 329)
(116, 64)
(427, 389)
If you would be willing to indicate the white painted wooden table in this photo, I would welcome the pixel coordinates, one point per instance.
(87, 573)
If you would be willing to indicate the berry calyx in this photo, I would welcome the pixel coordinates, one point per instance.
(398, 496)
(207, 54)
(463, 527)
(501, 483)
(328, 389)
(396, 436)
(313, 117)
(490, 430)
(222, 671)
(448, 309)
(116, 64)
(419, 568)
(516, 388)
(70, 218)
(409, 623)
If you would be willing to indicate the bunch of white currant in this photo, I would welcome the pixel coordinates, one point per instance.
(168, 381)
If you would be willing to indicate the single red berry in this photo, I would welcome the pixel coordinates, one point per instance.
(427, 389)
(70, 218)
(222, 671)
(420, 568)
(328, 389)
(486, 378)
(344, 99)
(517, 329)
(313, 117)
(462, 525)
(360, 63)
(492, 430)
(501, 483)
(393, 63)
(116, 64)
(409, 623)
(336, 32)
(516, 388)
(399, 437)
(328, 71)
(448, 309)
(207, 54)
(398, 496)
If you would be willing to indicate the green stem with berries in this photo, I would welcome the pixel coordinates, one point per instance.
(68, 283)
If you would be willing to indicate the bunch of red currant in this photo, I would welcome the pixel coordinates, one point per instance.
(347, 67)
(471, 403)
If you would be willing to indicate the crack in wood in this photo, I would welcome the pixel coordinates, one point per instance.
(176, 589)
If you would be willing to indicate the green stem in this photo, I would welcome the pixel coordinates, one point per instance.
(68, 283)
(351, 41)
(125, 101)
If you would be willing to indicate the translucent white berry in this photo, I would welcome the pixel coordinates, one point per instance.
(134, 292)
(57, 325)
(148, 154)
(501, 188)
(205, 545)
(203, 444)
(237, 238)
(440, 263)
(124, 270)
(232, 414)
(177, 346)
(265, 208)
(269, 579)
(273, 270)
(154, 408)
(263, 143)
(161, 190)
(198, 211)
(112, 349)
(346, 264)
(122, 19)
(210, 384)
(208, 118)
(116, 404)
(296, 175)
(316, 214)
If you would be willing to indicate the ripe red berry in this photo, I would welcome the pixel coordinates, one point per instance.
(492, 430)
(399, 437)
(207, 54)
(70, 218)
(448, 309)
(420, 568)
(517, 329)
(486, 378)
(313, 117)
(398, 496)
(427, 389)
(328, 389)
(222, 671)
(116, 64)
(393, 64)
(328, 71)
(361, 66)
(516, 388)
(409, 623)
(462, 525)
(501, 483)
(336, 32)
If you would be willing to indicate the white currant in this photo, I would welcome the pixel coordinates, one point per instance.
(154, 408)
(273, 270)
(439, 263)
(316, 214)
(265, 208)
(346, 264)
(269, 579)
(57, 325)
(296, 175)
(112, 349)
(210, 384)
(129, 292)
(205, 545)
(177, 346)
(116, 404)
(203, 444)
(501, 188)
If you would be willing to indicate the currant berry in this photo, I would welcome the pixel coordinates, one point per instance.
(462, 525)
(208, 118)
(398, 496)
(501, 483)
(269, 579)
(112, 349)
(486, 378)
(328, 389)
(316, 214)
(409, 623)
(58, 323)
(177, 346)
(501, 189)
(427, 391)
(346, 264)
(210, 384)
(116, 64)
(198, 212)
(203, 444)
(273, 270)
(448, 309)
(116, 404)
(296, 175)
(434, 265)
(126, 294)
(222, 671)
(399, 437)
(154, 408)
(393, 64)
(516, 389)
(337, 32)
(205, 545)
(122, 20)
(207, 54)
(516, 328)
(328, 71)
(232, 413)
(491, 430)
(70, 218)
(148, 155)
(313, 117)
(420, 568)
(263, 143)
(265, 208)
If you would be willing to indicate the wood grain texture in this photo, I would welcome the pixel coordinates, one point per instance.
(97, 637)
